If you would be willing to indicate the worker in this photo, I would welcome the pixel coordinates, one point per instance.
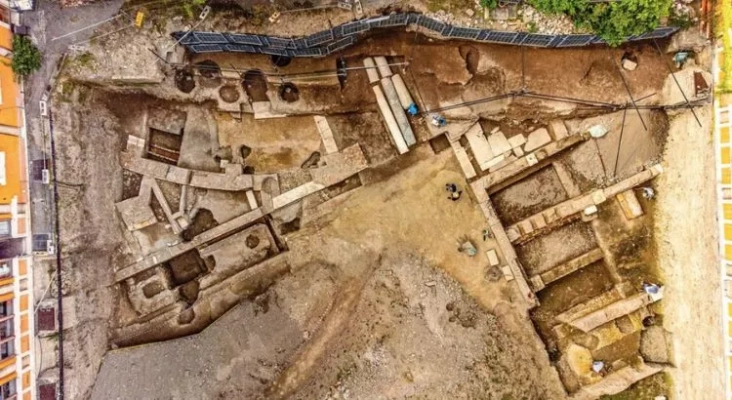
(455, 196)
(487, 234)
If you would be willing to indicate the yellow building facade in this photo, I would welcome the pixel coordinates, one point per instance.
(17, 380)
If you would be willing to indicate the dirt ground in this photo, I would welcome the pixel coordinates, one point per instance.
(91, 240)
(380, 303)
(688, 257)
(375, 307)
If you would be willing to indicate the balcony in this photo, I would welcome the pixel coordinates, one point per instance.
(8, 391)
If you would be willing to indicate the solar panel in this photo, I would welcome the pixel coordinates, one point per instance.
(313, 52)
(206, 48)
(413, 18)
(341, 44)
(575, 40)
(339, 37)
(536, 40)
(210, 37)
(300, 43)
(352, 28)
(387, 21)
(431, 24)
(319, 38)
(273, 51)
(465, 33)
(185, 38)
(281, 43)
(244, 39)
(500, 37)
(658, 33)
(240, 48)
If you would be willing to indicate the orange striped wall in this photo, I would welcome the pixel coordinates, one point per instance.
(10, 145)
(9, 111)
(6, 38)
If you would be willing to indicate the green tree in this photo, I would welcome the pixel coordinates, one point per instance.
(489, 4)
(614, 20)
(617, 20)
(26, 57)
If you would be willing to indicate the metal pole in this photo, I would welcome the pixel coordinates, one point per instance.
(677, 83)
(620, 143)
(627, 89)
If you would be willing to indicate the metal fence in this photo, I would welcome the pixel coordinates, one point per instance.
(325, 42)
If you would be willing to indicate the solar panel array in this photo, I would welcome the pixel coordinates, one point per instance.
(338, 38)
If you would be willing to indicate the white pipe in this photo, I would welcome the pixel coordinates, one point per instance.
(404, 97)
(383, 65)
(391, 123)
(368, 64)
(399, 114)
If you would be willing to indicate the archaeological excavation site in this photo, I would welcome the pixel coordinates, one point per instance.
(391, 214)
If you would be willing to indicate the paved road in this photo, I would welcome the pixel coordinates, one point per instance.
(47, 22)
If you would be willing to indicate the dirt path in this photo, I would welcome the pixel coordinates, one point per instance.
(301, 368)
(687, 245)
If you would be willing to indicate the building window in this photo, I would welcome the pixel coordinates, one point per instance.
(6, 329)
(3, 177)
(8, 390)
(5, 228)
(6, 350)
(6, 308)
(5, 270)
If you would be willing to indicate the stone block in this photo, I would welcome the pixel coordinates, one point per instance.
(538, 221)
(536, 139)
(525, 227)
(629, 204)
(492, 257)
(516, 141)
(518, 152)
(629, 65)
(492, 162)
(531, 159)
(550, 215)
(178, 175)
(507, 273)
(598, 197)
(536, 283)
(251, 199)
(513, 234)
(558, 129)
(654, 346)
(498, 142)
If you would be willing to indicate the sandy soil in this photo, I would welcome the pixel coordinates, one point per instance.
(523, 199)
(382, 306)
(276, 144)
(556, 247)
(91, 241)
(687, 249)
